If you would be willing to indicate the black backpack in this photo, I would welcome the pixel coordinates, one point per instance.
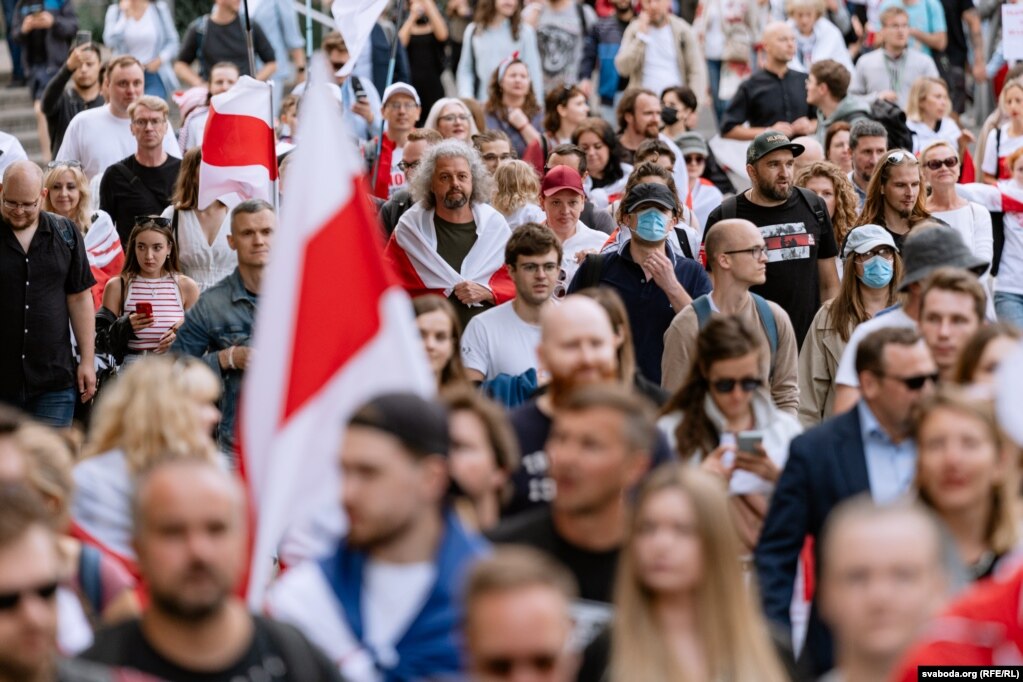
(893, 119)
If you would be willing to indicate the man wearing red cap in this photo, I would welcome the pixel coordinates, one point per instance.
(562, 198)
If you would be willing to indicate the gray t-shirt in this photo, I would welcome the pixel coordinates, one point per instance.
(560, 37)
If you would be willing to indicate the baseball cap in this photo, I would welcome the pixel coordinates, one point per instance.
(769, 141)
(925, 250)
(420, 424)
(400, 89)
(691, 143)
(562, 177)
(865, 238)
(650, 193)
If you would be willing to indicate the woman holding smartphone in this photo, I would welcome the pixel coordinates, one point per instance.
(724, 421)
(145, 305)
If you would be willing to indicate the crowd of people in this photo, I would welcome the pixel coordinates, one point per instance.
(716, 294)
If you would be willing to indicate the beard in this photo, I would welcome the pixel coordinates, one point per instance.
(173, 604)
(453, 200)
(772, 192)
(562, 385)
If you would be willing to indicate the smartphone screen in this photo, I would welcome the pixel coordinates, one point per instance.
(144, 309)
(83, 38)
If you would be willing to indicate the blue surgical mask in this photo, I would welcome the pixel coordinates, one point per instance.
(877, 272)
(651, 225)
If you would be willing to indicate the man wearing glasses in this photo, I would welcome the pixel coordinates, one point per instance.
(45, 281)
(401, 109)
(866, 450)
(737, 260)
(142, 183)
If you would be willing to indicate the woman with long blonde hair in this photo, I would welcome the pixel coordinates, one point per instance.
(518, 189)
(683, 610)
(157, 408)
(68, 195)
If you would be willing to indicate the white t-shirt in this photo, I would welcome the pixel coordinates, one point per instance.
(660, 65)
(995, 153)
(527, 213)
(98, 139)
(10, 151)
(392, 595)
(397, 180)
(923, 134)
(846, 374)
(498, 341)
(142, 35)
(584, 239)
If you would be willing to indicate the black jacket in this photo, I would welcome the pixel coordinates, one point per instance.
(61, 104)
(45, 48)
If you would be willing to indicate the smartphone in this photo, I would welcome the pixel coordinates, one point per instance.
(144, 309)
(748, 440)
(82, 38)
(360, 92)
(35, 8)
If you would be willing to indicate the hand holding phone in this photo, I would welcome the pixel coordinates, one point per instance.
(747, 441)
(144, 309)
(82, 38)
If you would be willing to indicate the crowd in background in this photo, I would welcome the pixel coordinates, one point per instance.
(718, 296)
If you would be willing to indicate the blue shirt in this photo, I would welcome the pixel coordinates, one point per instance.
(221, 318)
(890, 466)
(650, 311)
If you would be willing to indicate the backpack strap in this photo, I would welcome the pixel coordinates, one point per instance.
(701, 306)
(298, 654)
(770, 326)
(683, 243)
(66, 231)
(89, 577)
(729, 208)
(815, 206)
(174, 228)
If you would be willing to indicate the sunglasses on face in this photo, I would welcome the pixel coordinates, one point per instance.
(160, 221)
(935, 164)
(10, 600)
(695, 159)
(747, 384)
(405, 166)
(914, 383)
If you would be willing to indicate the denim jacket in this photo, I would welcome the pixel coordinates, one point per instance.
(222, 317)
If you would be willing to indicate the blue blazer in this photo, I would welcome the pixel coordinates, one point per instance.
(826, 465)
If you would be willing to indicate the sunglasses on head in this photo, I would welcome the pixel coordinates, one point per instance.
(935, 164)
(10, 600)
(72, 163)
(157, 220)
(900, 156)
(747, 384)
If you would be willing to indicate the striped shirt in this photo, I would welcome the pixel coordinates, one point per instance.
(165, 296)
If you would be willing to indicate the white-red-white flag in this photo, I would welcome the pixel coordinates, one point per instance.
(238, 145)
(332, 331)
(354, 20)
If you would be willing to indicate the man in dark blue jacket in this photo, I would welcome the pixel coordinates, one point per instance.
(867, 449)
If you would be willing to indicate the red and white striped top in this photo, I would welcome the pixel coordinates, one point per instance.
(165, 295)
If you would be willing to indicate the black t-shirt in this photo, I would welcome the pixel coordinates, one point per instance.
(532, 486)
(224, 43)
(957, 44)
(266, 659)
(129, 189)
(795, 242)
(35, 341)
(593, 571)
(763, 99)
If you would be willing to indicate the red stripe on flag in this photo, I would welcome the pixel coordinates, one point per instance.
(336, 323)
(233, 140)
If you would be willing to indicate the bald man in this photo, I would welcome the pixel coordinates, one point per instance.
(812, 152)
(190, 542)
(737, 260)
(773, 98)
(577, 348)
(44, 283)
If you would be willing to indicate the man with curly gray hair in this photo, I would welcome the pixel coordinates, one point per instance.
(451, 242)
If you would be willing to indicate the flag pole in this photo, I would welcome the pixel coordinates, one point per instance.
(248, 41)
(387, 84)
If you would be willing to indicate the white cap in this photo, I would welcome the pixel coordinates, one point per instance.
(401, 89)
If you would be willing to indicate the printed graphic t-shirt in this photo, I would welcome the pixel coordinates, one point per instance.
(795, 243)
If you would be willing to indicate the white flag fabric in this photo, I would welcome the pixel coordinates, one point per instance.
(238, 145)
(355, 19)
(333, 330)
